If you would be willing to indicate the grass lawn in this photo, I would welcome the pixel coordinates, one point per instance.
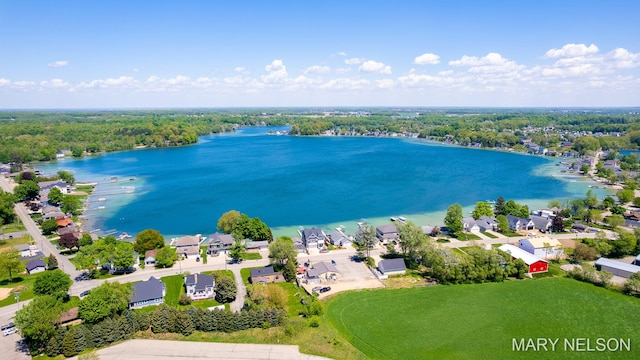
(251, 256)
(479, 321)
(489, 235)
(13, 227)
(175, 287)
(22, 283)
(24, 239)
(463, 236)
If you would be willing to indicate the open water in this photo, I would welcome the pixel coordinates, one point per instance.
(306, 181)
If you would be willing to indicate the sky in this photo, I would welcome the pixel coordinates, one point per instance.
(282, 53)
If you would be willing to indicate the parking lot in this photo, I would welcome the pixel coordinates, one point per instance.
(352, 275)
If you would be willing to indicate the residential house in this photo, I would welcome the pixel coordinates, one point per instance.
(219, 243)
(322, 271)
(150, 257)
(580, 227)
(487, 223)
(541, 223)
(199, 286)
(386, 233)
(339, 238)
(469, 225)
(534, 263)
(299, 245)
(516, 223)
(313, 238)
(254, 246)
(392, 266)
(617, 268)
(265, 275)
(63, 221)
(188, 246)
(70, 317)
(23, 249)
(36, 266)
(145, 293)
(542, 247)
(46, 186)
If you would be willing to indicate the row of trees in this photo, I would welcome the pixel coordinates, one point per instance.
(242, 227)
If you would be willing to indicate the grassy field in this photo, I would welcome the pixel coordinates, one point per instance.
(21, 282)
(479, 321)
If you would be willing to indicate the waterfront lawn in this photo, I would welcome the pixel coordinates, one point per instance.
(479, 321)
(464, 236)
(24, 239)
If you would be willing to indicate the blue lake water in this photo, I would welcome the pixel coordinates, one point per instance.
(306, 181)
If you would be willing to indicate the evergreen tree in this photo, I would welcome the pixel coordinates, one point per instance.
(289, 271)
(52, 262)
(69, 344)
(498, 208)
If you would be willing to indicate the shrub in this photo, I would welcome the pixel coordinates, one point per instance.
(184, 299)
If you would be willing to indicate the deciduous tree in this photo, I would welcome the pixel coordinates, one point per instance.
(105, 300)
(453, 219)
(55, 283)
(37, 319)
(165, 257)
(225, 289)
(282, 250)
(227, 222)
(10, 264)
(148, 240)
(49, 226)
(55, 196)
(412, 239)
(237, 250)
(482, 209)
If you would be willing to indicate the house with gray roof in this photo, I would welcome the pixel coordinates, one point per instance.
(386, 233)
(199, 286)
(265, 275)
(188, 246)
(23, 249)
(469, 225)
(517, 223)
(219, 242)
(392, 266)
(36, 266)
(339, 238)
(321, 271)
(541, 223)
(487, 223)
(146, 293)
(313, 238)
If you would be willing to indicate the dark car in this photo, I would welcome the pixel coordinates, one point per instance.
(325, 289)
(85, 293)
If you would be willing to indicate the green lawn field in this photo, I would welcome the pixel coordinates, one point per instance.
(480, 321)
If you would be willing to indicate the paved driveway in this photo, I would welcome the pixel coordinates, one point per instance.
(141, 349)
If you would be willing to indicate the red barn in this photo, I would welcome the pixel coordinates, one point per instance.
(536, 265)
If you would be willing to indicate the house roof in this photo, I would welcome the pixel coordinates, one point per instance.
(201, 281)
(67, 230)
(256, 244)
(34, 264)
(618, 265)
(21, 247)
(518, 253)
(539, 242)
(488, 219)
(225, 239)
(321, 268)
(64, 222)
(188, 250)
(387, 229)
(338, 236)
(264, 271)
(188, 240)
(313, 233)
(150, 253)
(69, 315)
(391, 265)
(147, 290)
(540, 222)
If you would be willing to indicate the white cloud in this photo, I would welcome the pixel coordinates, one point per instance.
(126, 82)
(342, 53)
(317, 69)
(371, 66)
(239, 69)
(155, 83)
(623, 59)
(385, 83)
(342, 70)
(572, 50)
(427, 59)
(489, 59)
(353, 61)
(54, 83)
(136, 70)
(23, 85)
(346, 83)
(60, 63)
(5, 82)
(277, 73)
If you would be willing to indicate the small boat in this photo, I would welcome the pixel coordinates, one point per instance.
(402, 219)
(102, 207)
(102, 199)
(393, 218)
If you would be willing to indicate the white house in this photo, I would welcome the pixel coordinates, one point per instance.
(542, 246)
(199, 286)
